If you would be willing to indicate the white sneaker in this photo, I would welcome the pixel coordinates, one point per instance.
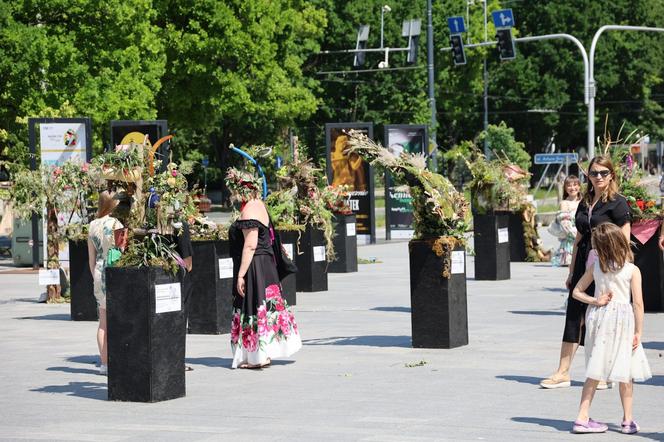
(103, 370)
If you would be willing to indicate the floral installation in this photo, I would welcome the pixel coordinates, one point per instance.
(125, 163)
(300, 200)
(336, 199)
(244, 184)
(439, 210)
(62, 191)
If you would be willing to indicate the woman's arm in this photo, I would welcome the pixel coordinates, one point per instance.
(580, 295)
(250, 243)
(92, 257)
(568, 283)
(637, 305)
(627, 230)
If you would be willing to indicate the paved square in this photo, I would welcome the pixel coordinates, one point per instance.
(356, 378)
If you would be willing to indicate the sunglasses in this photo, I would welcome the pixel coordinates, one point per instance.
(597, 173)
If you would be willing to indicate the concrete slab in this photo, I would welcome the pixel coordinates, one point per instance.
(356, 378)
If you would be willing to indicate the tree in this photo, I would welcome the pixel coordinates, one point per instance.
(234, 70)
(501, 140)
(85, 58)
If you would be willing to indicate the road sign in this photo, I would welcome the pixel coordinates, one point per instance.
(205, 162)
(456, 25)
(503, 18)
(556, 158)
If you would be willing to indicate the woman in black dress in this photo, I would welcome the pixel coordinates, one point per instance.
(601, 204)
(263, 325)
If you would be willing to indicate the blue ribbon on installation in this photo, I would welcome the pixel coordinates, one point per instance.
(253, 161)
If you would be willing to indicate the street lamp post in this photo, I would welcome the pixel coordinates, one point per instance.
(591, 77)
(432, 98)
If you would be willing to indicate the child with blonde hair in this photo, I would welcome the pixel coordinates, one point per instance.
(613, 326)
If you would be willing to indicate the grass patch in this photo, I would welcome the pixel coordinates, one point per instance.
(371, 260)
(415, 364)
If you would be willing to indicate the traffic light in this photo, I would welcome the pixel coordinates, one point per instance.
(506, 49)
(361, 43)
(459, 56)
(411, 30)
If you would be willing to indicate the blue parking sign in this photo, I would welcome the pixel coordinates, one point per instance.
(456, 25)
(503, 18)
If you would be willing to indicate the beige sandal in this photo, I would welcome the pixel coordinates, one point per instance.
(555, 381)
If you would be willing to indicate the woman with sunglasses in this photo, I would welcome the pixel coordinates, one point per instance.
(600, 204)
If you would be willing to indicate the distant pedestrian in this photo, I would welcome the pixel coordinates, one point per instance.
(263, 326)
(600, 204)
(101, 239)
(613, 339)
(564, 227)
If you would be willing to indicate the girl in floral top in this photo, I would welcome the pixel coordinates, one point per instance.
(100, 239)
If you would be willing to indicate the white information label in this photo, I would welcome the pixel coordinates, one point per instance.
(458, 258)
(167, 298)
(350, 229)
(225, 268)
(49, 276)
(319, 253)
(289, 250)
(503, 235)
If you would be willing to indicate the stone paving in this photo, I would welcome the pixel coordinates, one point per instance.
(356, 378)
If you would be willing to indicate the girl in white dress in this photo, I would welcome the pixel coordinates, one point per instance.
(613, 326)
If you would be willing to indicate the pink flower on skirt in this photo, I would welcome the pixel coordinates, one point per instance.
(293, 323)
(272, 291)
(263, 328)
(249, 339)
(284, 323)
(235, 328)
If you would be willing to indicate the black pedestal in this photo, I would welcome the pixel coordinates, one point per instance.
(439, 312)
(145, 348)
(345, 245)
(310, 259)
(517, 239)
(649, 259)
(211, 304)
(492, 248)
(83, 305)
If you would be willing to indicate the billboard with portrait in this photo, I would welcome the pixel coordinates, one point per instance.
(353, 171)
(398, 201)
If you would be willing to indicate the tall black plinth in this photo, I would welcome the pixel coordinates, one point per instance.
(289, 240)
(517, 238)
(492, 248)
(83, 305)
(211, 304)
(146, 335)
(649, 259)
(345, 245)
(439, 311)
(311, 261)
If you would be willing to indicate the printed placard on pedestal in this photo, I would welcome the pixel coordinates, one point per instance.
(350, 229)
(319, 253)
(167, 298)
(225, 268)
(503, 235)
(289, 250)
(49, 276)
(458, 260)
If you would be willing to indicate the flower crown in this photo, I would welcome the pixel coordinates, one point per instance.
(242, 183)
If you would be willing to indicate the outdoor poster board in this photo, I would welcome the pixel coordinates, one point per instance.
(127, 131)
(355, 172)
(60, 140)
(398, 201)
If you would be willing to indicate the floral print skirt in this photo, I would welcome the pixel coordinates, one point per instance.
(269, 333)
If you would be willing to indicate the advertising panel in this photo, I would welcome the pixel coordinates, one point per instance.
(398, 201)
(353, 171)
